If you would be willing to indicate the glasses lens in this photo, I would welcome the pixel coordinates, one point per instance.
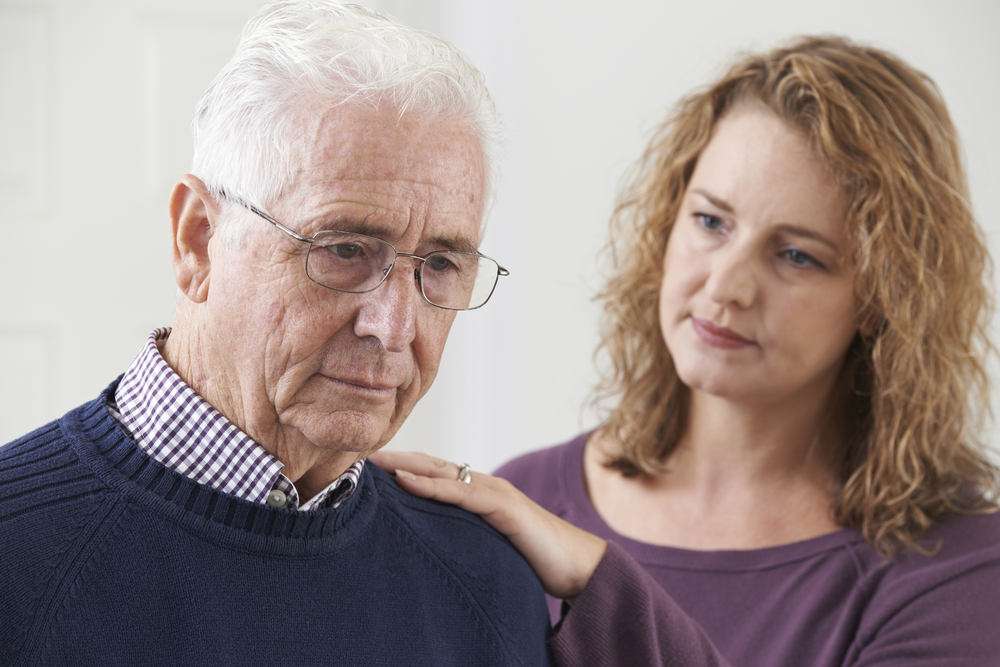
(458, 280)
(349, 262)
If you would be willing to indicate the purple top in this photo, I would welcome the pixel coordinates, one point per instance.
(826, 601)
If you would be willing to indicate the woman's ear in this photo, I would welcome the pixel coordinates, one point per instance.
(193, 214)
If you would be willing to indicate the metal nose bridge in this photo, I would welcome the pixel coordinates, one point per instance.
(416, 267)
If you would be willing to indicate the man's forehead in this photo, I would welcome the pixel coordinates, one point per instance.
(381, 142)
(363, 168)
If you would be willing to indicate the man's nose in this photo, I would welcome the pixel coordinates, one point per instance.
(733, 278)
(390, 311)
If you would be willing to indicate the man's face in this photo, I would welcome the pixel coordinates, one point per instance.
(312, 367)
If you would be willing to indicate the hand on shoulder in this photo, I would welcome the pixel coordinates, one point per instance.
(563, 556)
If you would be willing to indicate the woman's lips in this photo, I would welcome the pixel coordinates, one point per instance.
(718, 336)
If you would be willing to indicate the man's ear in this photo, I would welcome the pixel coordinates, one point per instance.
(193, 215)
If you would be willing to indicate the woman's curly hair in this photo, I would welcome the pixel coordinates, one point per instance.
(916, 389)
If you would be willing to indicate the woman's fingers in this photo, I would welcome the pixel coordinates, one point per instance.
(480, 497)
(416, 463)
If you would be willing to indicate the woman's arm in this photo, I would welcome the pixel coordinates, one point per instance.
(624, 618)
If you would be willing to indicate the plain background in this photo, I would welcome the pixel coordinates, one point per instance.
(95, 104)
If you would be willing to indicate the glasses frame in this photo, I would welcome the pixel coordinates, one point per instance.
(417, 271)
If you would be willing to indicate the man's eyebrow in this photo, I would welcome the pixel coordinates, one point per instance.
(455, 243)
(360, 226)
(788, 229)
(354, 226)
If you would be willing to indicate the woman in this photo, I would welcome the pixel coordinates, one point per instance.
(796, 328)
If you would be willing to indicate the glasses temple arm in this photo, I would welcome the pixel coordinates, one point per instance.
(298, 237)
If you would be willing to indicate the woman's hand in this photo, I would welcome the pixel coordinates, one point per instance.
(563, 556)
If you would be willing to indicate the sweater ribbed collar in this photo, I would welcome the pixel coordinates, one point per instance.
(103, 445)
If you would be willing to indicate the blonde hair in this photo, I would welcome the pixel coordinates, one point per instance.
(915, 387)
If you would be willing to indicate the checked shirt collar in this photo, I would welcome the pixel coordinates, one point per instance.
(178, 428)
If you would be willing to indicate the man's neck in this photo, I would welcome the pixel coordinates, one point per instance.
(310, 467)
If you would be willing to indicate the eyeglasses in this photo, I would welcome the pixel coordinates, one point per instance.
(357, 263)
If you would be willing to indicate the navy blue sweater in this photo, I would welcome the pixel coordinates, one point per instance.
(108, 557)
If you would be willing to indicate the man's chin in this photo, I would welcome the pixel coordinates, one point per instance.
(348, 432)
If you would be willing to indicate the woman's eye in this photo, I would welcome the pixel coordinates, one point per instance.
(799, 258)
(709, 222)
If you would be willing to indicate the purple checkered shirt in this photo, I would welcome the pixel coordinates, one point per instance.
(178, 428)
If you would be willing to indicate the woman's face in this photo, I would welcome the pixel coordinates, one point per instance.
(757, 299)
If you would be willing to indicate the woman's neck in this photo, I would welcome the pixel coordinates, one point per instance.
(742, 477)
(754, 442)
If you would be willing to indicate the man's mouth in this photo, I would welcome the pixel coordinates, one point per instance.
(374, 389)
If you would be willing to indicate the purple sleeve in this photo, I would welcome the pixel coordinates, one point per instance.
(940, 610)
(623, 617)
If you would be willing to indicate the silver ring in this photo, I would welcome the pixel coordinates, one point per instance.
(465, 473)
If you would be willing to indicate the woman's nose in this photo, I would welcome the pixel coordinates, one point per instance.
(733, 278)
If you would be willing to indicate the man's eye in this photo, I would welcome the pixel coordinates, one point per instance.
(440, 263)
(345, 250)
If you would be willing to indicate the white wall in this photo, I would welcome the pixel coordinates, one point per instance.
(581, 86)
(95, 99)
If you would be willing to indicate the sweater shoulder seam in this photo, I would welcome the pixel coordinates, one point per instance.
(78, 552)
(453, 580)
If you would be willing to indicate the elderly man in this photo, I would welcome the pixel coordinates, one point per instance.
(213, 506)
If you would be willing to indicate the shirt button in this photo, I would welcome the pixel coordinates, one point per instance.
(277, 498)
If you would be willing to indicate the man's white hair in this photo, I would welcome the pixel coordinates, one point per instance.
(295, 54)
